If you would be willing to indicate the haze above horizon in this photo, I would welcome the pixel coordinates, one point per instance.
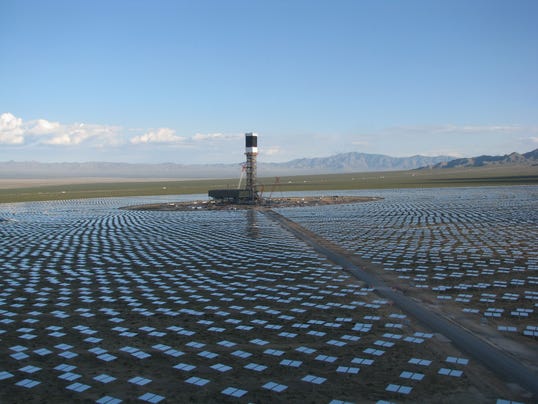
(150, 82)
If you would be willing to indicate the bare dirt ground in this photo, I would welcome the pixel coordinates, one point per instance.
(214, 279)
(478, 374)
(522, 351)
(268, 203)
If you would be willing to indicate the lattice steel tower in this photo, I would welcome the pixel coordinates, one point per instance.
(251, 151)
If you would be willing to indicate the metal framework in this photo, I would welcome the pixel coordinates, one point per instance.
(251, 175)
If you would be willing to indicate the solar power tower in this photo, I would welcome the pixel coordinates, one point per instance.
(251, 151)
(249, 194)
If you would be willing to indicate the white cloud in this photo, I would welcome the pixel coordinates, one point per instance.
(200, 137)
(161, 135)
(11, 130)
(272, 151)
(23, 136)
(75, 134)
(207, 136)
(15, 131)
(442, 152)
(42, 127)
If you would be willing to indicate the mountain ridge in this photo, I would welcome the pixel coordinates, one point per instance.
(529, 158)
(339, 163)
(353, 161)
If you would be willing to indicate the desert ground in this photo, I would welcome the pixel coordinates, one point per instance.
(106, 305)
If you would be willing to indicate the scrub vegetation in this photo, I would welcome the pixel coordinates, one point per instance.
(46, 189)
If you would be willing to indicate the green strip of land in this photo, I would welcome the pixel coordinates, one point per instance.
(425, 178)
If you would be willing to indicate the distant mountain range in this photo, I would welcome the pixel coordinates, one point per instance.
(340, 163)
(358, 162)
(527, 159)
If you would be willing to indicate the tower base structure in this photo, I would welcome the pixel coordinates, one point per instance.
(248, 195)
(235, 196)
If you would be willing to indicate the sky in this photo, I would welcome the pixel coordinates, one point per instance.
(181, 81)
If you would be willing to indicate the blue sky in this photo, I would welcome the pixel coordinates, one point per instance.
(174, 81)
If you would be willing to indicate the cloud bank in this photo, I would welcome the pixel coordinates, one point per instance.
(161, 135)
(47, 139)
(11, 131)
(15, 131)
(43, 139)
